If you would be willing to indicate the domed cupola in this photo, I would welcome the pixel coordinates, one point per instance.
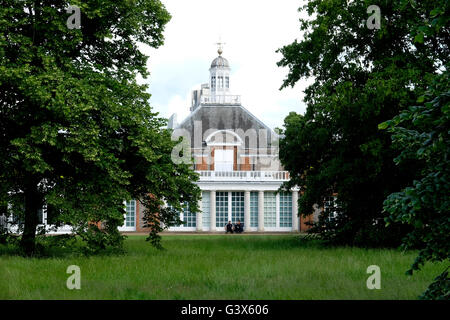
(217, 91)
(220, 62)
(220, 75)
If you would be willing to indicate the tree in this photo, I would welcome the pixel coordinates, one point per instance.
(76, 129)
(421, 133)
(362, 77)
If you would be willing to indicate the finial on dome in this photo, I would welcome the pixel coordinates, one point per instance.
(220, 47)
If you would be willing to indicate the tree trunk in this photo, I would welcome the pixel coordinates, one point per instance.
(33, 203)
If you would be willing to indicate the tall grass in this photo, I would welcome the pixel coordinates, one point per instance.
(217, 267)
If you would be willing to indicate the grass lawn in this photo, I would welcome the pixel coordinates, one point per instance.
(217, 267)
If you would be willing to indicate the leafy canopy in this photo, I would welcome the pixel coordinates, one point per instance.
(77, 132)
(422, 133)
(362, 77)
(397, 75)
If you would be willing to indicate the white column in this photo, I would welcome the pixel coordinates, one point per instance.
(261, 211)
(277, 210)
(212, 210)
(230, 209)
(200, 216)
(295, 225)
(246, 210)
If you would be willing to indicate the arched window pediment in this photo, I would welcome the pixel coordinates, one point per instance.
(224, 138)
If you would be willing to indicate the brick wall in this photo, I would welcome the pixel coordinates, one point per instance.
(245, 164)
(201, 164)
(303, 226)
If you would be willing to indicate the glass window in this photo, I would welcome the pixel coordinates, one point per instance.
(237, 207)
(130, 215)
(213, 82)
(285, 209)
(254, 209)
(221, 209)
(270, 210)
(190, 218)
(227, 82)
(40, 214)
(187, 216)
(220, 82)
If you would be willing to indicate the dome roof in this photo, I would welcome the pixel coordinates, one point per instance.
(220, 62)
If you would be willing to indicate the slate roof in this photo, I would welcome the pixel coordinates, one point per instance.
(224, 117)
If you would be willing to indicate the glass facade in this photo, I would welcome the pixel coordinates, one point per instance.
(237, 207)
(221, 209)
(190, 218)
(187, 216)
(130, 215)
(270, 210)
(230, 205)
(285, 210)
(40, 215)
(254, 209)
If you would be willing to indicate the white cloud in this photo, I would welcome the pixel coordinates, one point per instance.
(252, 30)
(176, 104)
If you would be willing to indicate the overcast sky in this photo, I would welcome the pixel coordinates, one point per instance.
(252, 30)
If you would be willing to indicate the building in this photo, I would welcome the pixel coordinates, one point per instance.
(236, 156)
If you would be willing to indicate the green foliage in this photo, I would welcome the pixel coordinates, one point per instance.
(158, 217)
(6, 237)
(98, 240)
(76, 129)
(422, 133)
(60, 241)
(362, 78)
(439, 289)
(155, 224)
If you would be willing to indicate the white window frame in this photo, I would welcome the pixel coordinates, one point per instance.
(124, 227)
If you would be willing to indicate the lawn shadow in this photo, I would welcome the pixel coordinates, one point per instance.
(246, 242)
(56, 246)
